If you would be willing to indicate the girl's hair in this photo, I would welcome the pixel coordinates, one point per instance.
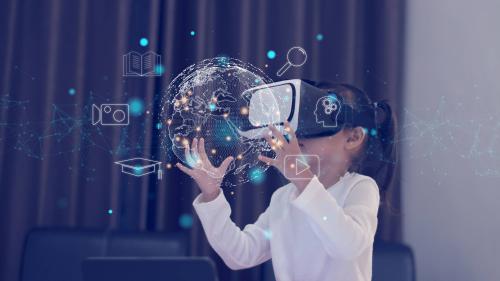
(379, 155)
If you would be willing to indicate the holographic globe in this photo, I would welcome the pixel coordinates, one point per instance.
(207, 100)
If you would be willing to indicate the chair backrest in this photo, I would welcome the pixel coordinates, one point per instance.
(391, 262)
(57, 254)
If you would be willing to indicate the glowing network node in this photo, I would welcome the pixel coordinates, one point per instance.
(143, 42)
(71, 91)
(244, 110)
(256, 175)
(110, 211)
(159, 69)
(271, 54)
(159, 125)
(186, 221)
(192, 33)
(373, 132)
(319, 37)
(136, 106)
(138, 170)
(268, 234)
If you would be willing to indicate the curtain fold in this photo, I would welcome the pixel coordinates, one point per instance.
(57, 169)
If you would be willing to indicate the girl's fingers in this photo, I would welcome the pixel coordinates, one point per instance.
(186, 170)
(281, 141)
(267, 160)
(194, 153)
(191, 159)
(223, 166)
(187, 154)
(203, 153)
(291, 133)
(271, 142)
(194, 147)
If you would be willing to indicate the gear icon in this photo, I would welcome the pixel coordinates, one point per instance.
(329, 106)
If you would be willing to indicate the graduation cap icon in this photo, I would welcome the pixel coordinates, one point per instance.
(140, 166)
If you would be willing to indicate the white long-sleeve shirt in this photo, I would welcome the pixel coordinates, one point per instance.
(321, 234)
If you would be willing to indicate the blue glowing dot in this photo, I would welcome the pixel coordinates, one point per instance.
(223, 61)
(186, 221)
(268, 234)
(271, 54)
(110, 211)
(136, 106)
(192, 33)
(144, 42)
(332, 97)
(257, 81)
(159, 69)
(319, 37)
(373, 132)
(71, 91)
(256, 175)
(159, 125)
(212, 106)
(138, 170)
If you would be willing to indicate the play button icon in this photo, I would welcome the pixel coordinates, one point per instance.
(297, 165)
(300, 166)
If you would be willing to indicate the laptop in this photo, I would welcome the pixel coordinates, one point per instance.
(148, 269)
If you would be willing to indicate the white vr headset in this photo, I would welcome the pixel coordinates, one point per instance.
(311, 111)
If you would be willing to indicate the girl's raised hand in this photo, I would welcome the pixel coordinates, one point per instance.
(208, 177)
(282, 148)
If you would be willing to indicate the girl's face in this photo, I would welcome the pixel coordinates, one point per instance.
(334, 151)
(329, 149)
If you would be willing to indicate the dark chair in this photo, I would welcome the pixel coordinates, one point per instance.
(391, 262)
(57, 255)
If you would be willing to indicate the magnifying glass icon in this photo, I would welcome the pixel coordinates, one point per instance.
(295, 57)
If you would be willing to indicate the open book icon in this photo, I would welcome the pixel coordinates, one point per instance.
(147, 64)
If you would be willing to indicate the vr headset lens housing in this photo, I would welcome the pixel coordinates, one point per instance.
(311, 112)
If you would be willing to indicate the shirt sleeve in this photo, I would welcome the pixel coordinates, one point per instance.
(344, 231)
(238, 248)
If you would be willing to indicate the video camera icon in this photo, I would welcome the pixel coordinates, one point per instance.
(116, 114)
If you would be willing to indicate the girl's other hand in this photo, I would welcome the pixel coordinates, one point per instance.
(282, 148)
(208, 177)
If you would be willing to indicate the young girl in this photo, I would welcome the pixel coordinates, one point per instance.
(316, 228)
